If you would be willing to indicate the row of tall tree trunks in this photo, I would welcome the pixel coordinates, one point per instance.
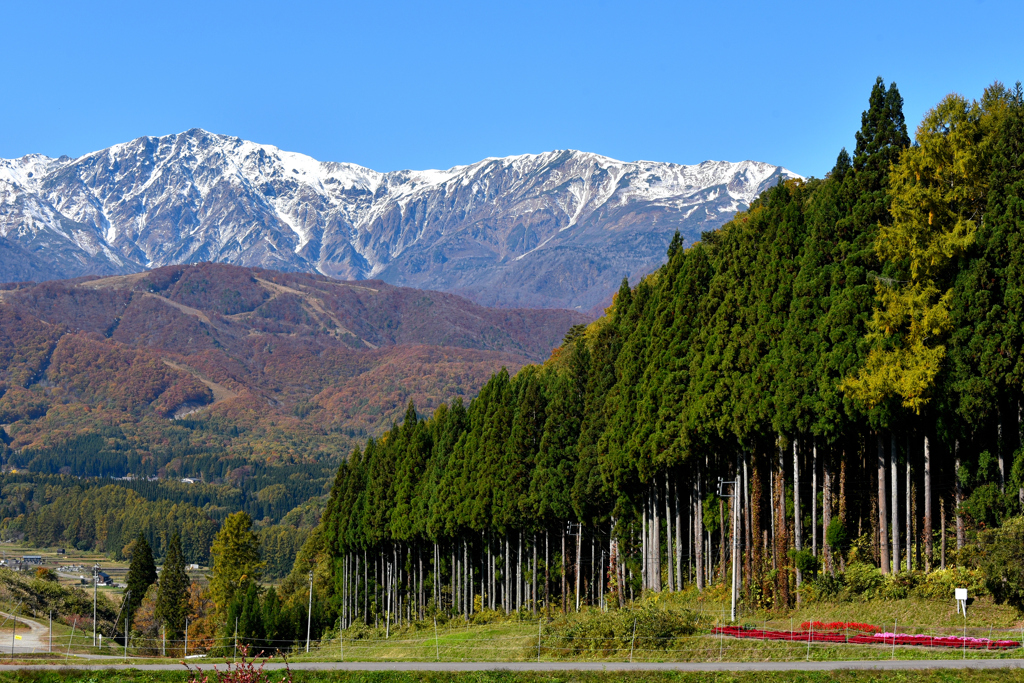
(398, 584)
(781, 487)
(899, 486)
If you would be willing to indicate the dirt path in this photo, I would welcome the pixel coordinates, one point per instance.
(35, 639)
(220, 392)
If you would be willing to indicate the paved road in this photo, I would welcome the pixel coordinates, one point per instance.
(896, 665)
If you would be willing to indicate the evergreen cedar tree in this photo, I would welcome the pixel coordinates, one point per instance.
(172, 591)
(866, 327)
(141, 573)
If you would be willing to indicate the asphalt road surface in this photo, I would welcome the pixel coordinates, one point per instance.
(893, 665)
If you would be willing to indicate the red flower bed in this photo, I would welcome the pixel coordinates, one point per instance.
(833, 635)
(844, 626)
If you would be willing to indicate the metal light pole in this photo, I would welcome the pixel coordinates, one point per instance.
(309, 618)
(95, 581)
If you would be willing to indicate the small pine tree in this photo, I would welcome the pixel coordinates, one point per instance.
(236, 559)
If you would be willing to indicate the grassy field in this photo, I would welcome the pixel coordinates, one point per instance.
(1005, 675)
(588, 636)
(595, 636)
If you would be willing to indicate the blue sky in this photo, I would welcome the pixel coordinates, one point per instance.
(394, 85)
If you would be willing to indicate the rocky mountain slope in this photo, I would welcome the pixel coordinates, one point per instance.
(558, 229)
(292, 364)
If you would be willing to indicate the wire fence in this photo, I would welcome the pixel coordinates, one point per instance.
(487, 643)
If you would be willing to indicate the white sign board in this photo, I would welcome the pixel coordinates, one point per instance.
(961, 593)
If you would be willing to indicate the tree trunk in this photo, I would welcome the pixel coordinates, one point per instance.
(842, 507)
(908, 497)
(958, 502)
(1000, 450)
(519, 573)
(895, 499)
(593, 566)
(797, 526)
(579, 555)
(534, 575)
(942, 517)
(547, 577)
(773, 492)
(698, 537)
(645, 564)
(747, 533)
(883, 515)
(656, 537)
(668, 537)
(721, 538)
(826, 511)
(755, 535)
(814, 496)
(781, 540)
(927, 505)
(564, 601)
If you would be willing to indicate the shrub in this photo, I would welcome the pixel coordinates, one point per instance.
(939, 584)
(836, 535)
(862, 577)
(1001, 556)
(605, 633)
(824, 587)
(897, 586)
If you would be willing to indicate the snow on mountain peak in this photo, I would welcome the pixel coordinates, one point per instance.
(198, 195)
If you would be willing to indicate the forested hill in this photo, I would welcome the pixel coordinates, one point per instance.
(253, 382)
(271, 354)
(849, 350)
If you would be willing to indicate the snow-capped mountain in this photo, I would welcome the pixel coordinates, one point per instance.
(558, 229)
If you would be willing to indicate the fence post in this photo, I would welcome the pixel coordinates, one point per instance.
(810, 633)
(73, 627)
(632, 642)
(894, 622)
(540, 625)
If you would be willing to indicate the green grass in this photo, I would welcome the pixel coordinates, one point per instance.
(73, 676)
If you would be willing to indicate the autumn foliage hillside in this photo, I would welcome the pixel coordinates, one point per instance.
(278, 366)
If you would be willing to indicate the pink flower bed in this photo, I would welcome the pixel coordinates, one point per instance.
(863, 637)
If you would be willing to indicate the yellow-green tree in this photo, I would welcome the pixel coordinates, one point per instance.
(236, 560)
(938, 196)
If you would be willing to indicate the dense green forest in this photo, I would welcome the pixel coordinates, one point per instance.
(834, 377)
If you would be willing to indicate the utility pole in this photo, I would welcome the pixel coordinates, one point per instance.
(95, 581)
(127, 612)
(309, 617)
(13, 631)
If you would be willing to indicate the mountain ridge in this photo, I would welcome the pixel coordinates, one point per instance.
(298, 356)
(557, 229)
